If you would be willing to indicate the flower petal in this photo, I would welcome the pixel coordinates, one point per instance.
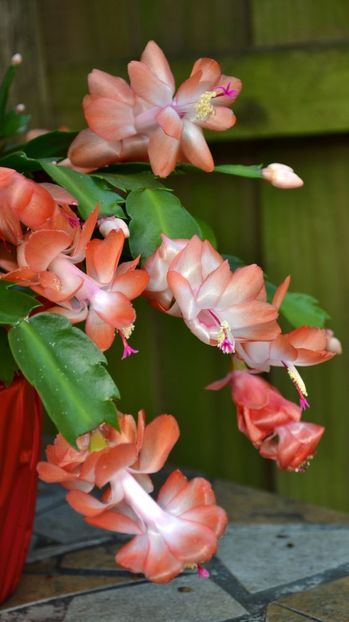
(163, 151)
(195, 148)
(109, 118)
(103, 84)
(159, 438)
(156, 60)
(148, 86)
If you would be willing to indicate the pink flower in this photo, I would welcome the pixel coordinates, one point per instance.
(260, 408)
(46, 261)
(292, 446)
(181, 528)
(104, 294)
(23, 202)
(168, 123)
(219, 306)
(282, 176)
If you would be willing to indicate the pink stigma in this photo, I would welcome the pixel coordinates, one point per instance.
(128, 351)
(73, 221)
(227, 346)
(203, 573)
(303, 402)
(226, 90)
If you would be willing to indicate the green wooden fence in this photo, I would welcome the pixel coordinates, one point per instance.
(293, 58)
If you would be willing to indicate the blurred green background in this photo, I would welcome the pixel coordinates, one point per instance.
(293, 59)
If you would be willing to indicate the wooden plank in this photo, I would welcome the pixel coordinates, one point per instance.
(19, 32)
(306, 234)
(290, 22)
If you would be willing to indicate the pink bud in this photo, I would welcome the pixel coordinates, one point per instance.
(282, 176)
(111, 223)
(16, 59)
(332, 343)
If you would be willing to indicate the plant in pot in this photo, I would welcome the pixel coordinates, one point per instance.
(87, 224)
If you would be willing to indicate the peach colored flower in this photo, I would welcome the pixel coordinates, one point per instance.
(182, 528)
(219, 306)
(168, 123)
(260, 408)
(292, 446)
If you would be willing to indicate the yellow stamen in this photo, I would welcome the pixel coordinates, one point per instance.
(127, 332)
(203, 107)
(97, 441)
(226, 338)
(297, 379)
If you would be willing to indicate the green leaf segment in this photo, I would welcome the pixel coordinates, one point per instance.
(66, 369)
(89, 191)
(156, 211)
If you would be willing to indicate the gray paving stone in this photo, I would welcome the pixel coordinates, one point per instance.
(200, 601)
(266, 556)
(36, 613)
(63, 525)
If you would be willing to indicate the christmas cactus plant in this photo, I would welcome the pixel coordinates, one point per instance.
(88, 224)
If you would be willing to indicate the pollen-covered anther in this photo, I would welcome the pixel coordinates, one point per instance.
(203, 107)
(299, 384)
(303, 467)
(225, 339)
(127, 332)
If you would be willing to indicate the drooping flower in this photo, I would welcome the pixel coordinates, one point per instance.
(260, 408)
(271, 422)
(292, 446)
(168, 123)
(180, 529)
(219, 306)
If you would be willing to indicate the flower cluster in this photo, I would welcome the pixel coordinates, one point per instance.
(43, 243)
(189, 279)
(180, 529)
(83, 271)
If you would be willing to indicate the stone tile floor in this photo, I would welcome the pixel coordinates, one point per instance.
(279, 561)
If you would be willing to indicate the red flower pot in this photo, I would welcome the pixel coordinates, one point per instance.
(20, 430)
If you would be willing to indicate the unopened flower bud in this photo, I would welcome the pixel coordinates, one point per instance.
(333, 344)
(282, 176)
(16, 59)
(111, 223)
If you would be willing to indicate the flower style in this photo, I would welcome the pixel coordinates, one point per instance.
(271, 422)
(180, 529)
(149, 111)
(219, 306)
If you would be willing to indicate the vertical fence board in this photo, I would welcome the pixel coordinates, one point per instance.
(306, 234)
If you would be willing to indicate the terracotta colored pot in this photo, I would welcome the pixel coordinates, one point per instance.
(20, 431)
